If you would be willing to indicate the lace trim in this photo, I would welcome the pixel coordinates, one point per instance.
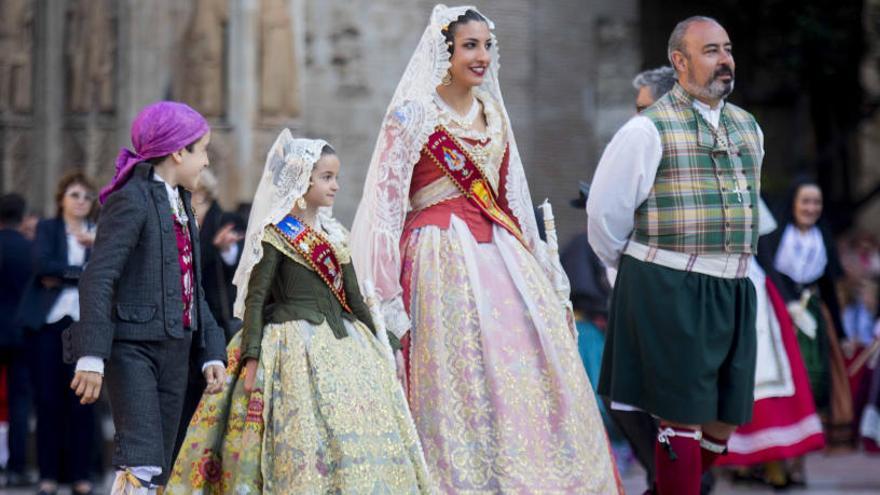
(489, 150)
(463, 121)
(270, 235)
(396, 319)
(274, 238)
(434, 193)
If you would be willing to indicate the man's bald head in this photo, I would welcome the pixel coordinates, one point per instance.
(700, 51)
(677, 38)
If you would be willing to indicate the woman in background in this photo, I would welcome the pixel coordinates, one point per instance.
(800, 258)
(65, 428)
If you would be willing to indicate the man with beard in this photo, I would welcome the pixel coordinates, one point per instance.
(674, 209)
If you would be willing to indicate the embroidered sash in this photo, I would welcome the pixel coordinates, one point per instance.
(460, 167)
(317, 251)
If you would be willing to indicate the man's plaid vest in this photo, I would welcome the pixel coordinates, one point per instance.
(705, 195)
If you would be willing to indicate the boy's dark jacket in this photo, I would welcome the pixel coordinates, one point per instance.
(130, 289)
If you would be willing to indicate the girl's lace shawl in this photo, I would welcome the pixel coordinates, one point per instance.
(285, 179)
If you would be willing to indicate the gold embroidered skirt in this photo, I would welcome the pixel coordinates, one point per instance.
(500, 397)
(327, 416)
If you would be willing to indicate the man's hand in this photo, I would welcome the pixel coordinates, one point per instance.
(215, 375)
(87, 386)
(226, 237)
(250, 374)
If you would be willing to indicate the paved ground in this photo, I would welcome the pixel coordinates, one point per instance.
(854, 474)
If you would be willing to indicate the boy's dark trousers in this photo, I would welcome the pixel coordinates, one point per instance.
(146, 384)
(195, 387)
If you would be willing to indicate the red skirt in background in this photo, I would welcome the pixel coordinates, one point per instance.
(781, 427)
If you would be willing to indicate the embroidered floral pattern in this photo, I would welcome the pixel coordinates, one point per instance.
(327, 416)
(187, 275)
(498, 392)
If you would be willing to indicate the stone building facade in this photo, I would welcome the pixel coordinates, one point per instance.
(73, 74)
(868, 173)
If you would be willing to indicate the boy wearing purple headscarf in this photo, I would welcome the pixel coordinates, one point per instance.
(142, 309)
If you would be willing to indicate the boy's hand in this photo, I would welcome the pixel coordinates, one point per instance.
(215, 375)
(87, 386)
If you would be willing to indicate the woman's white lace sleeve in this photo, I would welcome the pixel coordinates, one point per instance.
(375, 234)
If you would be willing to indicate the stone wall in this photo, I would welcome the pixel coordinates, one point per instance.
(551, 56)
(324, 68)
(869, 131)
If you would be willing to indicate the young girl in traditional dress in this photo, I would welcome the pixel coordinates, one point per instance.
(313, 405)
(446, 232)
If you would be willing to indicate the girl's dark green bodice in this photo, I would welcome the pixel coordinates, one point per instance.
(282, 289)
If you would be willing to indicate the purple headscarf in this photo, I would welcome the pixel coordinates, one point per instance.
(160, 129)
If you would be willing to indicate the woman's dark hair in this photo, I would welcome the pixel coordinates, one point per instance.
(785, 211)
(449, 31)
(328, 150)
(159, 159)
(76, 177)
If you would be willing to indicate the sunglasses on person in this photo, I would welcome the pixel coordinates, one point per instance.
(77, 195)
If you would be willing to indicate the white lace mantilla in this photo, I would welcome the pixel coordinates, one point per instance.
(285, 179)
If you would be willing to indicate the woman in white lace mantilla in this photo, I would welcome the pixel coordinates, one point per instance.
(446, 233)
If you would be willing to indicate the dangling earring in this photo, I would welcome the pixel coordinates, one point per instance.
(301, 203)
(447, 79)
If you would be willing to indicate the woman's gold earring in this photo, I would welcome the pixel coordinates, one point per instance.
(447, 79)
(301, 204)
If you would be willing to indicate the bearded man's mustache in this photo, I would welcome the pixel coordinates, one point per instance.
(724, 71)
